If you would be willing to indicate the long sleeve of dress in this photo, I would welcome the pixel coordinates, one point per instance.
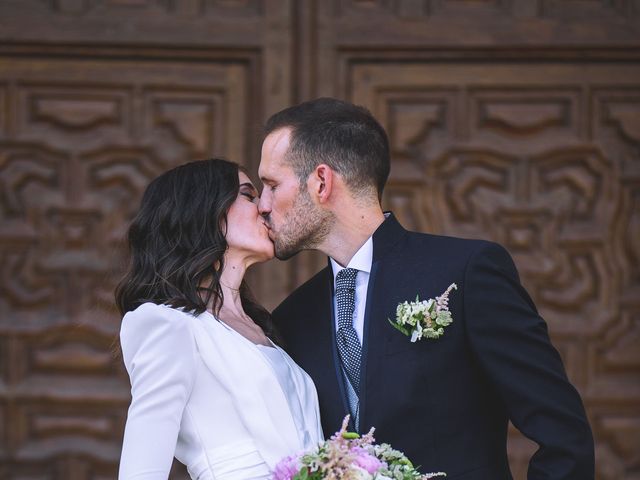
(160, 356)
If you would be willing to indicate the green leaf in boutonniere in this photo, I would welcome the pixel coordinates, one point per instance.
(399, 327)
(426, 318)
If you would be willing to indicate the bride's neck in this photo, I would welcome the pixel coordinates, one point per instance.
(230, 282)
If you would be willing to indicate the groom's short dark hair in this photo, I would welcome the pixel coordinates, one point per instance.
(342, 135)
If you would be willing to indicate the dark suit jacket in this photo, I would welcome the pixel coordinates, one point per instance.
(446, 402)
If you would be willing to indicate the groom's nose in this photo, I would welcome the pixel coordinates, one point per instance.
(264, 205)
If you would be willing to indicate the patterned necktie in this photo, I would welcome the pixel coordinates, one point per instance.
(346, 336)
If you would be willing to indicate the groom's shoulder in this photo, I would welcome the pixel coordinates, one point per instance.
(420, 249)
(442, 244)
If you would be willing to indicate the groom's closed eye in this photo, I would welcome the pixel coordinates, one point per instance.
(266, 183)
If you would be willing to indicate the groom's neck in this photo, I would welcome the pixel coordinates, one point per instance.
(351, 229)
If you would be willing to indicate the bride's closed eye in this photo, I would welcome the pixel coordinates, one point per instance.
(249, 191)
(251, 196)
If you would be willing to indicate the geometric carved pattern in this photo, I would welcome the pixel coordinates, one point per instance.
(494, 8)
(148, 7)
(192, 120)
(626, 118)
(616, 123)
(585, 8)
(71, 198)
(522, 114)
(420, 120)
(629, 233)
(3, 110)
(490, 8)
(408, 8)
(542, 209)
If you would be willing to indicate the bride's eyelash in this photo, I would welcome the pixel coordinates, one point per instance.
(249, 196)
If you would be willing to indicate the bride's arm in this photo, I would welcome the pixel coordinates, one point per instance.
(159, 353)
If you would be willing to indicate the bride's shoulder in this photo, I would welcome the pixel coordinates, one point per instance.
(153, 335)
(157, 309)
(150, 308)
(151, 316)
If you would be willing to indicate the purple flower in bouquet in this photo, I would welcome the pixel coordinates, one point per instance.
(287, 468)
(366, 461)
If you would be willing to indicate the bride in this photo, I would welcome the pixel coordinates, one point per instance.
(209, 384)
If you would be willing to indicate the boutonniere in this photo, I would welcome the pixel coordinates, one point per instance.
(426, 318)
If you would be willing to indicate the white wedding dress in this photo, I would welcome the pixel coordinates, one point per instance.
(226, 408)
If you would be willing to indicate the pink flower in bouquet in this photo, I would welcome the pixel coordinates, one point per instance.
(366, 461)
(287, 468)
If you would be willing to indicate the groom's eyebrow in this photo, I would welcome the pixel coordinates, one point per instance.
(267, 181)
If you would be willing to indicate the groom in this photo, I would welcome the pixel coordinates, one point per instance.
(445, 402)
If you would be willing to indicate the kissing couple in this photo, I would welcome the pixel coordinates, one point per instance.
(230, 389)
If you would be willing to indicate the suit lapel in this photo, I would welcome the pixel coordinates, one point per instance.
(375, 320)
(324, 367)
(368, 362)
(311, 346)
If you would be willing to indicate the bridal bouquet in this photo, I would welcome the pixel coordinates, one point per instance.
(347, 456)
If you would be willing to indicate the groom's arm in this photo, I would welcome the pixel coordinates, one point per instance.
(512, 345)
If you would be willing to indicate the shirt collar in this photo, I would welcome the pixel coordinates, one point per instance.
(360, 261)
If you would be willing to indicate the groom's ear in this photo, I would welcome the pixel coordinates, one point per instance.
(320, 183)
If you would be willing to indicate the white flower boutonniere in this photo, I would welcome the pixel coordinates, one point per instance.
(426, 318)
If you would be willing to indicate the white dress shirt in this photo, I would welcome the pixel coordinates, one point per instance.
(361, 261)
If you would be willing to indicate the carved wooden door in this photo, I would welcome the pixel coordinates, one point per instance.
(512, 120)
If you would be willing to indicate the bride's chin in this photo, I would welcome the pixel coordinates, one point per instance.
(270, 254)
(264, 256)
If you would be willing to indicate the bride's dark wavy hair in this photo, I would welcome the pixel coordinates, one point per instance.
(177, 242)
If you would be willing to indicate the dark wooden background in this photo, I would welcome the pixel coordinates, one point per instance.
(513, 120)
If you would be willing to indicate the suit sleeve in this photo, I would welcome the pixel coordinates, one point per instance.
(160, 356)
(512, 346)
